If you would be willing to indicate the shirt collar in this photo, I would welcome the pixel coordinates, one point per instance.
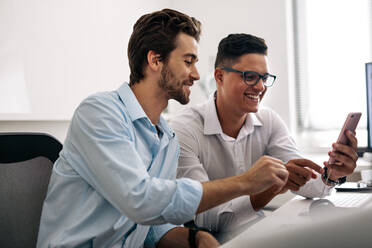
(133, 107)
(136, 111)
(212, 124)
(165, 128)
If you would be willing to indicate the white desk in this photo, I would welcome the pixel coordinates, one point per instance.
(293, 225)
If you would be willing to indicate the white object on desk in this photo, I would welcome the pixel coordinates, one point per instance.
(293, 225)
(366, 177)
(367, 156)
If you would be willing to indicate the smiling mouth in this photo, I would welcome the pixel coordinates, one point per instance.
(188, 83)
(253, 96)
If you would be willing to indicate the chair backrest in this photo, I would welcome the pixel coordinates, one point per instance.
(26, 162)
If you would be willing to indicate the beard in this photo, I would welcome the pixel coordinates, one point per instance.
(172, 86)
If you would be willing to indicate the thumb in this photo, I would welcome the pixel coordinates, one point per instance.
(313, 175)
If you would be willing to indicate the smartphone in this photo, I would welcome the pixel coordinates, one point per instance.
(351, 123)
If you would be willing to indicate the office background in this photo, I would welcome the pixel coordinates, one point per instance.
(59, 52)
(55, 53)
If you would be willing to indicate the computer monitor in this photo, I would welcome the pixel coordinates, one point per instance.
(369, 105)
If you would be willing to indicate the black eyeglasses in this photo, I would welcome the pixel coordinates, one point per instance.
(251, 78)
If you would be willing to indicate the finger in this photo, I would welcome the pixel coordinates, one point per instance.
(292, 186)
(307, 163)
(282, 174)
(278, 184)
(337, 169)
(294, 177)
(299, 180)
(313, 175)
(347, 150)
(352, 140)
(301, 171)
(342, 160)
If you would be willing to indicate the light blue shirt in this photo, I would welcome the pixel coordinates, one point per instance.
(114, 183)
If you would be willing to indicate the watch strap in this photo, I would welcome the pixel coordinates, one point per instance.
(192, 234)
(330, 181)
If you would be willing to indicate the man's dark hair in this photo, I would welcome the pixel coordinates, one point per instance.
(157, 31)
(235, 45)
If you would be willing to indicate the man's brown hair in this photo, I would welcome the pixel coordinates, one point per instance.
(157, 31)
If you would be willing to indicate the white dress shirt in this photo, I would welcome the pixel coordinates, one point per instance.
(207, 154)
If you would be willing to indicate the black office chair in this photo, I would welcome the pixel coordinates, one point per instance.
(26, 162)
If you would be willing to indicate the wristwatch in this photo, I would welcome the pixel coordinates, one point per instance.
(330, 181)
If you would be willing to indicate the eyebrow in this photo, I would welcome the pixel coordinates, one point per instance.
(193, 56)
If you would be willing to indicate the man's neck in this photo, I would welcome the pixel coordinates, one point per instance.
(230, 121)
(152, 99)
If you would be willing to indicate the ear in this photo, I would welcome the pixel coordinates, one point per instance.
(218, 76)
(153, 61)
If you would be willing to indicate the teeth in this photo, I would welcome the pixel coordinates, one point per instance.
(256, 97)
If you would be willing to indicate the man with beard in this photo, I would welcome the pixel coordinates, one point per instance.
(227, 134)
(114, 183)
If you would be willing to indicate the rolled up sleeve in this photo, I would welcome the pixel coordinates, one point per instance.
(185, 201)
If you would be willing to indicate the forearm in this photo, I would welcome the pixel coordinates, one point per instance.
(219, 191)
(265, 173)
(260, 200)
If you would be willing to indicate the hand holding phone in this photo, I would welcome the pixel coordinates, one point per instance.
(351, 123)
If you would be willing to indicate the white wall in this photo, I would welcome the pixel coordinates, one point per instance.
(266, 18)
(55, 53)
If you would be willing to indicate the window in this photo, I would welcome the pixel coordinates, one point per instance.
(333, 41)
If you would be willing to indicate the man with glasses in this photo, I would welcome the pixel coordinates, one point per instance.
(114, 184)
(226, 135)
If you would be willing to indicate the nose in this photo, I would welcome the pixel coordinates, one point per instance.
(259, 86)
(194, 73)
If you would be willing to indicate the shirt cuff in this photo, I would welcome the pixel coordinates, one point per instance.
(156, 233)
(314, 188)
(185, 201)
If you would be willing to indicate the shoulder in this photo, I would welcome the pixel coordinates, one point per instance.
(189, 120)
(101, 107)
(271, 121)
(266, 115)
(102, 99)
